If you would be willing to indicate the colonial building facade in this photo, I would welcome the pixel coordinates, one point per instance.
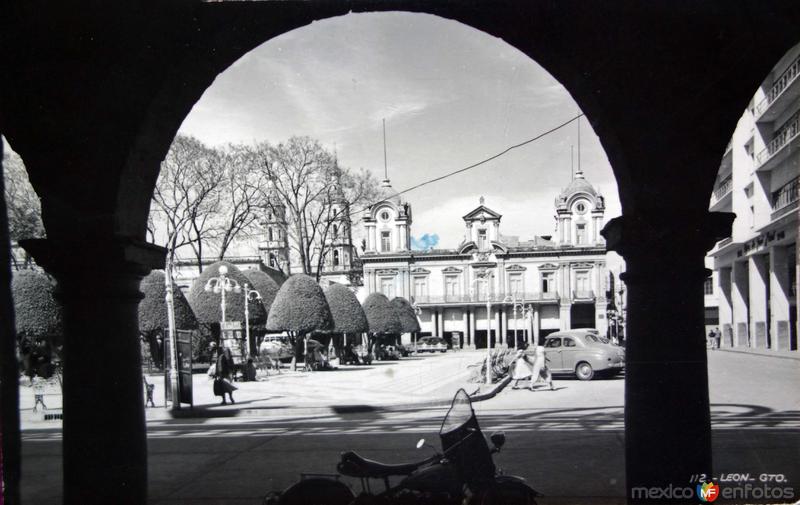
(532, 287)
(755, 269)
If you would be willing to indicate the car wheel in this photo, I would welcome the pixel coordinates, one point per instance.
(584, 371)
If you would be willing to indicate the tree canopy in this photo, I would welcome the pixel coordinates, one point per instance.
(408, 319)
(300, 306)
(206, 304)
(264, 284)
(153, 307)
(38, 314)
(348, 315)
(381, 315)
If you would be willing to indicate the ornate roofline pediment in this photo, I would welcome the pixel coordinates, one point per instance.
(452, 270)
(516, 268)
(583, 264)
(420, 271)
(386, 271)
(548, 266)
(486, 214)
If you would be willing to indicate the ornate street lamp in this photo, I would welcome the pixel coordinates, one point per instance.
(173, 344)
(249, 295)
(221, 285)
(417, 312)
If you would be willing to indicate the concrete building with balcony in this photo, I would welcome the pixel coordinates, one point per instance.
(755, 269)
(555, 283)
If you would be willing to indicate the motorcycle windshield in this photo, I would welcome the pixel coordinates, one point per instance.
(464, 444)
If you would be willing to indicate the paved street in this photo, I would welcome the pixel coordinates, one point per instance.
(554, 438)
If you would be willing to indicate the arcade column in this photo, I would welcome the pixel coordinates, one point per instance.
(105, 445)
(666, 376)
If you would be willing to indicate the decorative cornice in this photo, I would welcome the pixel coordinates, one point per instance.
(582, 264)
(452, 270)
(386, 271)
(420, 271)
(548, 266)
(515, 268)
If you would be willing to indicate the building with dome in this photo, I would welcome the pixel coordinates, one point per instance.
(535, 286)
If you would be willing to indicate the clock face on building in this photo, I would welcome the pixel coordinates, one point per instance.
(384, 215)
(580, 207)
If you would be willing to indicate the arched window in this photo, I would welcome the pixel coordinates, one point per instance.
(272, 261)
(335, 258)
(335, 231)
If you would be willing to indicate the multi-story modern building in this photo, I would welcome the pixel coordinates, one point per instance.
(755, 269)
(554, 283)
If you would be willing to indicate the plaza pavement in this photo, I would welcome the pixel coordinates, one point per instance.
(568, 443)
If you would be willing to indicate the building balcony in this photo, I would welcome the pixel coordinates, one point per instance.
(583, 295)
(784, 91)
(721, 198)
(785, 142)
(785, 199)
(494, 298)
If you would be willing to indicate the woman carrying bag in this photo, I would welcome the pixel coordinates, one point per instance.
(222, 376)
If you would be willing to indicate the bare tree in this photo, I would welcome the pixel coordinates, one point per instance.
(186, 197)
(22, 205)
(313, 189)
(241, 196)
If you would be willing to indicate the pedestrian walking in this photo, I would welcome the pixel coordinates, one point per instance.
(540, 369)
(149, 389)
(222, 376)
(523, 368)
(38, 392)
(717, 337)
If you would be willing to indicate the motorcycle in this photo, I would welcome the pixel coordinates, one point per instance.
(462, 473)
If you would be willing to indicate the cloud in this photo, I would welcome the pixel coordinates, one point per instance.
(425, 242)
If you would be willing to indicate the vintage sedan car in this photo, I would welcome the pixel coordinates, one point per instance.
(431, 344)
(581, 353)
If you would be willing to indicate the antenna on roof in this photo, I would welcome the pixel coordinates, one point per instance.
(571, 162)
(385, 167)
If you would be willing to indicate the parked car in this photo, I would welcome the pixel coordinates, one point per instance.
(431, 344)
(581, 353)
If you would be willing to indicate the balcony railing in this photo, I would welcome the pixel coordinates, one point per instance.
(724, 187)
(481, 297)
(781, 83)
(787, 195)
(783, 136)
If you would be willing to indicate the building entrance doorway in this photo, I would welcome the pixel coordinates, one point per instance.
(480, 339)
(582, 316)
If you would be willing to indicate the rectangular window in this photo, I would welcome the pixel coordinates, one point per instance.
(420, 287)
(270, 234)
(386, 241)
(708, 286)
(451, 285)
(481, 239)
(580, 234)
(515, 284)
(548, 282)
(582, 284)
(387, 287)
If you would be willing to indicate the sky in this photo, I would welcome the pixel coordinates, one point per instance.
(451, 96)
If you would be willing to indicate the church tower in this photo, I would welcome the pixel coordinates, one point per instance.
(274, 249)
(579, 214)
(341, 255)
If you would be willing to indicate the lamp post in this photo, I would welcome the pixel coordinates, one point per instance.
(173, 347)
(527, 312)
(515, 306)
(221, 285)
(247, 298)
(485, 277)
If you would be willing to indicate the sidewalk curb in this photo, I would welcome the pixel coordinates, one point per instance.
(765, 352)
(493, 392)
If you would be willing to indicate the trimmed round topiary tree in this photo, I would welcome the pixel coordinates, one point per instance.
(37, 313)
(153, 318)
(348, 314)
(381, 315)
(300, 308)
(408, 318)
(206, 304)
(153, 307)
(39, 323)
